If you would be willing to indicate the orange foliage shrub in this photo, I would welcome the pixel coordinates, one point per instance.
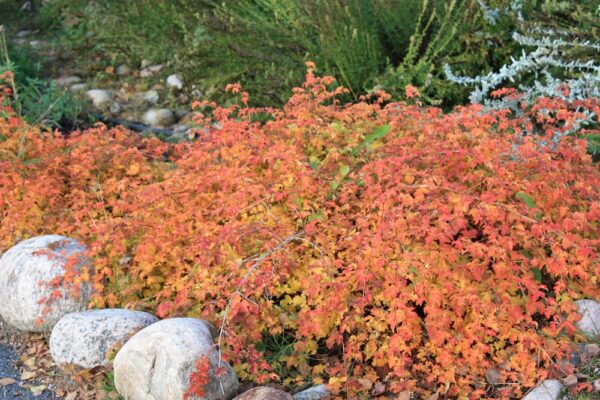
(393, 245)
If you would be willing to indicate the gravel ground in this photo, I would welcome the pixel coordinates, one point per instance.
(8, 357)
(25, 358)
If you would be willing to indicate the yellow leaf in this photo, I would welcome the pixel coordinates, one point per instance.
(133, 169)
(7, 381)
(25, 376)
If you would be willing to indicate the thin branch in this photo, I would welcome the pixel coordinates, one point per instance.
(238, 290)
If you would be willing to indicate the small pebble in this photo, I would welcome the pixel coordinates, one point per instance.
(174, 82)
(115, 108)
(570, 380)
(592, 349)
(151, 97)
(159, 118)
(78, 87)
(123, 70)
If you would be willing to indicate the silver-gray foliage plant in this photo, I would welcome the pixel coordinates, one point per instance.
(581, 78)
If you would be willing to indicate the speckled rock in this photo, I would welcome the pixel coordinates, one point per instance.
(89, 339)
(547, 390)
(156, 362)
(264, 393)
(317, 392)
(590, 317)
(26, 273)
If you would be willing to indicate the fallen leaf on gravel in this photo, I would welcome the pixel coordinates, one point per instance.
(26, 375)
(37, 390)
(30, 362)
(7, 381)
(71, 396)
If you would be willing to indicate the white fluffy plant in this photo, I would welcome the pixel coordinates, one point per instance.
(549, 54)
(548, 69)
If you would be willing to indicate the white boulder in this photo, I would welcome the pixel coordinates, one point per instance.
(89, 339)
(33, 293)
(158, 118)
(547, 390)
(590, 317)
(156, 363)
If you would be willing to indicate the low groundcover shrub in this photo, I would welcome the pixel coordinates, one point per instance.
(374, 247)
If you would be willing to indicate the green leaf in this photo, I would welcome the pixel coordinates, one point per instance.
(318, 215)
(528, 200)
(537, 274)
(298, 201)
(344, 170)
(527, 254)
(378, 133)
(314, 162)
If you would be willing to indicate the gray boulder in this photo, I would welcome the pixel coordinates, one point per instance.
(313, 393)
(33, 295)
(264, 393)
(156, 362)
(547, 390)
(88, 339)
(590, 317)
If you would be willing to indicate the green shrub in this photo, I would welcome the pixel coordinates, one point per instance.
(366, 44)
(36, 100)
